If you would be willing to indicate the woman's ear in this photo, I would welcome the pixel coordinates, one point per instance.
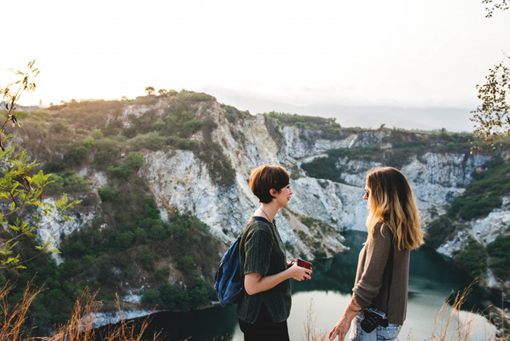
(273, 192)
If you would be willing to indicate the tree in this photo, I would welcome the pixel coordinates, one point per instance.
(493, 5)
(492, 117)
(150, 90)
(21, 181)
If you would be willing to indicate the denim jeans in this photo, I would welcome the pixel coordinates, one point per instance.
(380, 333)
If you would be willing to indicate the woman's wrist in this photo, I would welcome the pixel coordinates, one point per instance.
(353, 308)
(288, 273)
(350, 313)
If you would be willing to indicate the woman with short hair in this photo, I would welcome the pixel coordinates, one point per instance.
(378, 306)
(265, 306)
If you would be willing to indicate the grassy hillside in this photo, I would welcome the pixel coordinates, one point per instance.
(127, 246)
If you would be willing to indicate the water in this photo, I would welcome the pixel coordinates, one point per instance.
(319, 303)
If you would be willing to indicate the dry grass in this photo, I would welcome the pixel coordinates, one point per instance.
(310, 333)
(449, 325)
(80, 327)
(449, 317)
(13, 317)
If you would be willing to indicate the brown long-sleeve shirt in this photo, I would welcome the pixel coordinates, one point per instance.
(375, 266)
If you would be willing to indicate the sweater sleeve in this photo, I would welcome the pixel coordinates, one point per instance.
(377, 253)
(258, 247)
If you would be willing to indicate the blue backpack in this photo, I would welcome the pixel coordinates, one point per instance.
(229, 285)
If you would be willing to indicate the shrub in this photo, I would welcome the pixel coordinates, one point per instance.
(76, 155)
(106, 152)
(472, 258)
(123, 170)
(190, 96)
(68, 182)
(439, 231)
(500, 257)
(233, 115)
(152, 141)
(151, 297)
(484, 193)
(106, 193)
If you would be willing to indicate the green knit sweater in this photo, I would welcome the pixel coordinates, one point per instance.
(261, 250)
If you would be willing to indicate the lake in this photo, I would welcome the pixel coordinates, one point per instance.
(317, 304)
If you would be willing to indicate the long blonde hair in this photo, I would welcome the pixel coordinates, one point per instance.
(391, 201)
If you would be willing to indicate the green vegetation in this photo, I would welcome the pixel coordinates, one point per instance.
(472, 258)
(194, 97)
(330, 168)
(177, 298)
(106, 193)
(484, 193)
(499, 259)
(22, 182)
(233, 115)
(404, 146)
(481, 196)
(126, 247)
(152, 141)
(440, 230)
(123, 169)
(74, 134)
(325, 128)
(67, 182)
(301, 121)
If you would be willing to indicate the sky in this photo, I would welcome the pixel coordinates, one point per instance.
(364, 62)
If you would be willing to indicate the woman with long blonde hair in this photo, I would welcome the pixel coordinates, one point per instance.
(378, 305)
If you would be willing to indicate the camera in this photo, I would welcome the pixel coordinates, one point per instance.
(371, 320)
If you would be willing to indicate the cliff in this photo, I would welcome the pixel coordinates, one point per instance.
(163, 184)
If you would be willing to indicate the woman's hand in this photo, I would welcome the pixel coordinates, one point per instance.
(299, 273)
(341, 328)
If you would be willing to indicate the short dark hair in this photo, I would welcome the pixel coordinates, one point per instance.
(265, 177)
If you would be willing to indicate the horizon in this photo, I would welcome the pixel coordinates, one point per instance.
(348, 117)
(291, 56)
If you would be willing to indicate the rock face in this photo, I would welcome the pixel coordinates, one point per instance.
(484, 230)
(321, 208)
(180, 180)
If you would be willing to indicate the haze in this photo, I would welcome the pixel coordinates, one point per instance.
(412, 64)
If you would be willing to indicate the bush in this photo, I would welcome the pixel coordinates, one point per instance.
(152, 141)
(439, 231)
(123, 170)
(322, 168)
(499, 260)
(472, 258)
(106, 193)
(220, 167)
(151, 297)
(107, 151)
(190, 96)
(484, 193)
(68, 182)
(233, 115)
(76, 155)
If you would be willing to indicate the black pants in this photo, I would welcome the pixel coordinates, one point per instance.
(264, 329)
